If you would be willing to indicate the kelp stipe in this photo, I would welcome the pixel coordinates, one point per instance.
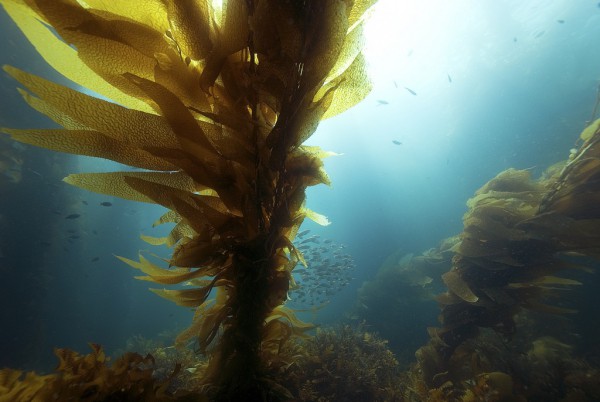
(215, 103)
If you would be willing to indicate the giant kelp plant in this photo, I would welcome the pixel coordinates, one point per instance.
(214, 100)
(519, 235)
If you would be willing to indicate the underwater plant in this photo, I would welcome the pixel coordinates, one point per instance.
(213, 100)
(344, 363)
(90, 377)
(517, 235)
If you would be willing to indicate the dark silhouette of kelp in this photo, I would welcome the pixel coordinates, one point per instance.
(518, 234)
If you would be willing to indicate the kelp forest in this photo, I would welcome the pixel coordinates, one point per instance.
(212, 103)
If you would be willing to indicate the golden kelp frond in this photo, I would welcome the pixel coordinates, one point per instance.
(155, 241)
(359, 11)
(352, 47)
(120, 123)
(353, 87)
(144, 13)
(316, 217)
(284, 312)
(177, 115)
(326, 39)
(230, 36)
(192, 27)
(317, 152)
(115, 183)
(459, 287)
(63, 57)
(173, 277)
(169, 216)
(207, 319)
(111, 49)
(554, 280)
(89, 143)
(189, 297)
(180, 231)
(164, 276)
(147, 267)
(308, 167)
(206, 252)
(590, 130)
(307, 120)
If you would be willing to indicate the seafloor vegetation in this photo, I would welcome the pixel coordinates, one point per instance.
(214, 104)
(530, 352)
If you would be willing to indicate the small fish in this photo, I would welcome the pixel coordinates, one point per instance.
(304, 233)
(515, 40)
(106, 204)
(449, 78)
(35, 173)
(395, 84)
(84, 202)
(382, 102)
(312, 239)
(74, 237)
(95, 232)
(72, 216)
(560, 21)
(411, 91)
(95, 259)
(539, 35)
(396, 142)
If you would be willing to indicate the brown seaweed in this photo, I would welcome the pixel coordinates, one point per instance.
(215, 103)
(517, 233)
